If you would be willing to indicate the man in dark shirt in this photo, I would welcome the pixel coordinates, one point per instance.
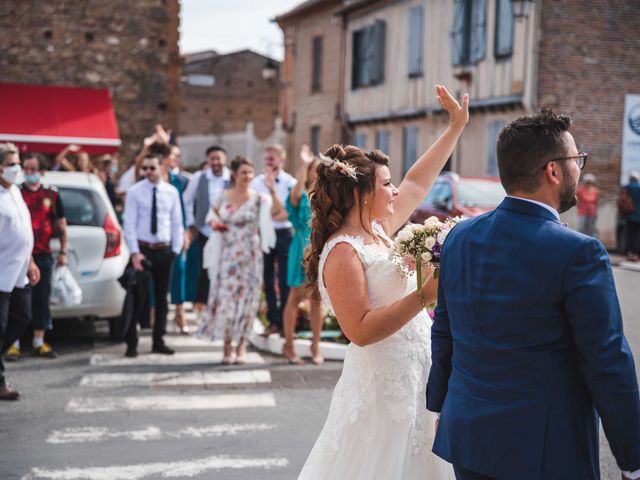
(47, 220)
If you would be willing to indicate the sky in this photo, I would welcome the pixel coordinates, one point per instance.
(231, 25)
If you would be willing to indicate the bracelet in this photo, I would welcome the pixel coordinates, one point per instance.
(423, 301)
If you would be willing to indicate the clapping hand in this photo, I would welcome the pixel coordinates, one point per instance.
(458, 114)
(306, 155)
(270, 180)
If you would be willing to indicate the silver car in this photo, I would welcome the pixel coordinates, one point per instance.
(97, 251)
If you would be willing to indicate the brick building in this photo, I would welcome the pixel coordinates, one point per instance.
(129, 47)
(225, 97)
(580, 57)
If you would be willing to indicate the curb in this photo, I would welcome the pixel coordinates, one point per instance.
(633, 266)
(273, 344)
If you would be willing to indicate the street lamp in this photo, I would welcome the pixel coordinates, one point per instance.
(270, 70)
(520, 8)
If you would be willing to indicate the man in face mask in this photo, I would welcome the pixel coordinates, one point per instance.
(47, 220)
(19, 271)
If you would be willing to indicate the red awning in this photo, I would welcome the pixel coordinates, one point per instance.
(45, 118)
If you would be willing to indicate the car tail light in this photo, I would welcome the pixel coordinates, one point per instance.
(113, 237)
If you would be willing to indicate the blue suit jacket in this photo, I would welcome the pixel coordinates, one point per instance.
(527, 350)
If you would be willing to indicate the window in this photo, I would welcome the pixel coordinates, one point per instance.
(82, 207)
(469, 34)
(360, 140)
(382, 140)
(493, 131)
(504, 29)
(200, 80)
(368, 55)
(416, 27)
(409, 148)
(315, 139)
(316, 75)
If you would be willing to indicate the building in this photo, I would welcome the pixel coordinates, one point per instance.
(230, 99)
(129, 47)
(396, 51)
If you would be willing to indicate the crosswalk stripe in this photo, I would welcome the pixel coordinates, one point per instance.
(170, 402)
(176, 379)
(178, 469)
(181, 341)
(99, 434)
(180, 358)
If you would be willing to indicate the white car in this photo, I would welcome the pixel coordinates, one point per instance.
(96, 248)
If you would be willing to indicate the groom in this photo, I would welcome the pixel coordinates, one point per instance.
(527, 341)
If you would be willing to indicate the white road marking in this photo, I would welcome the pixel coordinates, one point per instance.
(171, 402)
(178, 469)
(176, 379)
(180, 358)
(100, 434)
(180, 341)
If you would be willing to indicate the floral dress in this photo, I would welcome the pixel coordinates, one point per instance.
(234, 295)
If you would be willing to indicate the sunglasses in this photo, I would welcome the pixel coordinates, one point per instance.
(150, 168)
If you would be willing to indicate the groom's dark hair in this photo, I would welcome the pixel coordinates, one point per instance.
(526, 145)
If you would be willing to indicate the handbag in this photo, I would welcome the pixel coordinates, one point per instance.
(625, 202)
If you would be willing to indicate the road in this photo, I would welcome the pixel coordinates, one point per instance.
(93, 414)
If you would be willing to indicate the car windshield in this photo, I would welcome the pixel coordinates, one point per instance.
(478, 193)
(82, 207)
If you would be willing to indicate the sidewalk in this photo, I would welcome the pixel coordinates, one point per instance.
(620, 261)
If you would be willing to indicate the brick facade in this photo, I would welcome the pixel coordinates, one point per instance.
(129, 47)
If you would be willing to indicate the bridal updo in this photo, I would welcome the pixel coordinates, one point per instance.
(343, 170)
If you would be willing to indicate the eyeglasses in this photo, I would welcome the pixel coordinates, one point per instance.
(145, 168)
(580, 159)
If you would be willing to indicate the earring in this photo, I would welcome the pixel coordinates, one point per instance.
(365, 202)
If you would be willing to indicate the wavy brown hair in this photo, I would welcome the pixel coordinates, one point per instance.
(333, 196)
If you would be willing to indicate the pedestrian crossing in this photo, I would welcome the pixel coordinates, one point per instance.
(188, 397)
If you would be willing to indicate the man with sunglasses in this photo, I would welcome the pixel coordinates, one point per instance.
(527, 341)
(154, 231)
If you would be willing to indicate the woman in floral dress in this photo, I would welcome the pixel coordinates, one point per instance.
(242, 230)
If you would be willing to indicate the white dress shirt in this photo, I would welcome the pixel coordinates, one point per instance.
(16, 240)
(216, 185)
(548, 207)
(284, 183)
(127, 179)
(137, 216)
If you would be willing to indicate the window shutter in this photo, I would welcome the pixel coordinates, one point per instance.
(409, 148)
(416, 25)
(492, 136)
(356, 59)
(360, 140)
(317, 64)
(504, 29)
(478, 30)
(378, 46)
(457, 32)
(315, 139)
(382, 140)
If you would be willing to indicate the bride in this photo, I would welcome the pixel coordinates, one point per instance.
(378, 426)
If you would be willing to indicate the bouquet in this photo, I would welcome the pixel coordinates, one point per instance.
(418, 243)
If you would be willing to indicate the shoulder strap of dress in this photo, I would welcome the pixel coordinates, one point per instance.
(357, 244)
(377, 228)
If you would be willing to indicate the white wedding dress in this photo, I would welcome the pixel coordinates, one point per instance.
(378, 426)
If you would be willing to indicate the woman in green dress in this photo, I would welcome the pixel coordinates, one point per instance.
(299, 211)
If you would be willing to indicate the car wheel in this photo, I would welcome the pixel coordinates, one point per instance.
(116, 327)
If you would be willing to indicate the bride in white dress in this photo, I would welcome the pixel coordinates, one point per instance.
(378, 426)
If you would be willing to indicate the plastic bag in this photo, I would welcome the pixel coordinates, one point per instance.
(65, 291)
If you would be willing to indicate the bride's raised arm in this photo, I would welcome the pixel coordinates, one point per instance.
(422, 175)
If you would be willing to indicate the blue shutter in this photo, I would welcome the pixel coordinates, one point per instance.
(416, 39)
(493, 131)
(378, 46)
(360, 140)
(478, 30)
(382, 140)
(409, 148)
(457, 32)
(504, 29)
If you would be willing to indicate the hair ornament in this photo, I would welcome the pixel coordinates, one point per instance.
(340, 166)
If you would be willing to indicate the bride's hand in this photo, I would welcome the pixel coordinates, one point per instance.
(430, 287)
(458, 114)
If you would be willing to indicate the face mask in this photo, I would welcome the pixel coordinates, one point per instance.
(32, 179)
(114, 169)
(13, 174)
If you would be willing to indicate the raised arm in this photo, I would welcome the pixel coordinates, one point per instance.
(422, 175)
(277, 209)
(347, 288)
(306, 157)
(63, 161)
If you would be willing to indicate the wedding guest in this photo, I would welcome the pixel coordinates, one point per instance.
(299, 211)
(79, 161)
(16, 264)
(153, 229)
(275, 261)
(240, 220)
(588, 196)
(107, 169)
(203, 189)
(632, 219)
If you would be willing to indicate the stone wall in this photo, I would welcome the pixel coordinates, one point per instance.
(129, 47)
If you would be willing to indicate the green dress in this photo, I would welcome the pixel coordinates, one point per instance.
(300, 217)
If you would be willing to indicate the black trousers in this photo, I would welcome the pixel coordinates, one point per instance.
(202, 289)
(279, 256)
(15, 315)
(633, 232)
(41, 293)
(464, 474)
(161, 261)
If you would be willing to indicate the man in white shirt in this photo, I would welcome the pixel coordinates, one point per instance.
(16, 264)
(201, 192)
(274, 158)
(154, 233)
